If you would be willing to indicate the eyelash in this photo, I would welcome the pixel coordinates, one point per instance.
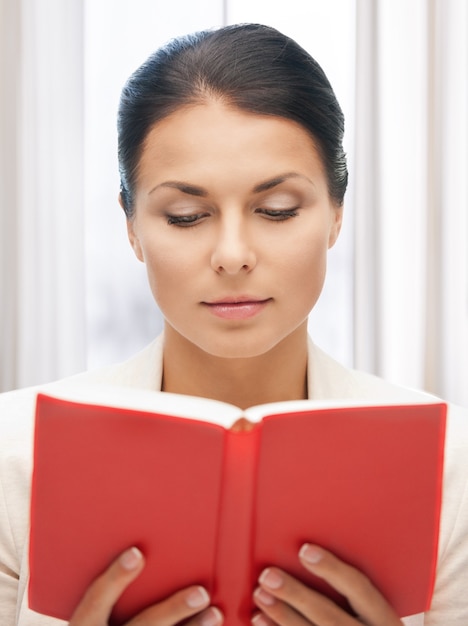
(185, 221)
(279, 215)
(189, 221)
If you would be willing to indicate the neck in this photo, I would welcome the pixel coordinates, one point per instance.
(278, 375)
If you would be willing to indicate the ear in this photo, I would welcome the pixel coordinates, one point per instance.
(335, 226)
(134, 241)
(132, 236)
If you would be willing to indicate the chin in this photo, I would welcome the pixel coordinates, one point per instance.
(239, 348)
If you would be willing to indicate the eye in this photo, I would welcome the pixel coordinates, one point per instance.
(278, 215)
(185, 221)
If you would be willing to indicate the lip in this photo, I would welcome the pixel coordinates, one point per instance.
(237, 307)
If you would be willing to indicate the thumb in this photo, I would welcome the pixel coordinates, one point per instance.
(96, 605)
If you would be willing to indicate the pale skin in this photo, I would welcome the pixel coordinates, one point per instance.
(234, 209)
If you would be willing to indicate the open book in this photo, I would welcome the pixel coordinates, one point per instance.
(211, 505)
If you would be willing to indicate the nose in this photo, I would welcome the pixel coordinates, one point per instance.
(232, 251)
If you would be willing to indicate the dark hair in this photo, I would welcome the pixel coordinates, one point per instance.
(252, 67)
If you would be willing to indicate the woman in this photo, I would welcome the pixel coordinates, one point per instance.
(233, 177)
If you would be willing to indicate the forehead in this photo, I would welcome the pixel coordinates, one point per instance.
(214, 141)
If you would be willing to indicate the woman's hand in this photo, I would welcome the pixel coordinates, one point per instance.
(96, 606)
(285, 601)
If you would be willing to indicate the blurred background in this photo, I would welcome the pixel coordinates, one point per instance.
(72, 295)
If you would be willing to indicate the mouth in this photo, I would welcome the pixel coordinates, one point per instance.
(237, 307)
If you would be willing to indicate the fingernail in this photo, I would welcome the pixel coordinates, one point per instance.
(259, 620)
(311, 554)
(212, 617)
(131, 559)
(264, 597)
(197, 598)
(271, 578)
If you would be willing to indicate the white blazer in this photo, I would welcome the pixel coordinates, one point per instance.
(327, 379)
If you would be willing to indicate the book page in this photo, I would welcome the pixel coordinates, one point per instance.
(194, 407)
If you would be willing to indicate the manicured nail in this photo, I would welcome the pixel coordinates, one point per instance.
(260, 620)
(197, 598)
(131, 559)
(271, 579)
(212, 617)
(311, 554)
(264, 597)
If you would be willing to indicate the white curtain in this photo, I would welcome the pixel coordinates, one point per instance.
(411, 193)
(42, 319)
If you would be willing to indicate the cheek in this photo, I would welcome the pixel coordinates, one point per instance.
(304, 274)
(307, 260)
(160, 264)
(169, 265)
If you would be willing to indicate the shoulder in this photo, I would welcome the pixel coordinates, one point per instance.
(142, 371)
(449, 605)
(16, 416)
(17, 408)
(16, 440)
(455, 493)
(329, 379)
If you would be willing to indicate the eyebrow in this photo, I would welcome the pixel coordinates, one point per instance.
(191, 190)
(277, 180)
(194, 190)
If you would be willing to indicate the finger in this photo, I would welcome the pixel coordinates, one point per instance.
(97, 603)
(210, 617)
(363, 597)
(275, 609)
(178, 607)
(309, 605)
(260, 619)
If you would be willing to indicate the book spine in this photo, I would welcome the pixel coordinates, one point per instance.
(234, 581)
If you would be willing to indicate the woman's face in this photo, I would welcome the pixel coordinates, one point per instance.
(233, 220)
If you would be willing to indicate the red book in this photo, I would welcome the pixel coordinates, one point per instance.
(213, 506)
